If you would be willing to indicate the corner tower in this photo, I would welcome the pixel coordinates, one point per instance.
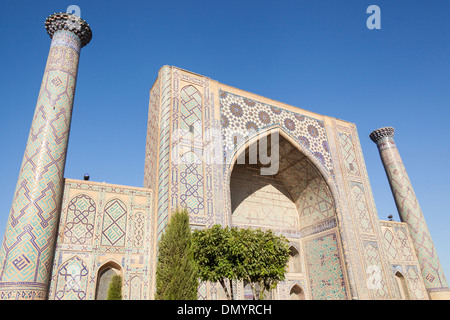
(28, 244)
(410, 212)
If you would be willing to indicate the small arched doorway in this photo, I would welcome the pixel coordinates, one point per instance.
(104, 275)
(296, 293)
(403, 287)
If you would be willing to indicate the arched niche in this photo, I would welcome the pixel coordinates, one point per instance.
(104, 275)
(401, 282)
(72, 279)
(294, 265)
(297, 201)
(296, 293)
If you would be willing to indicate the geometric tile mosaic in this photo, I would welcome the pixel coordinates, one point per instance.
(325, 269)
(191, 168)
(72, 280)
(80, 220)
(390, 244)
(376, 282)
(348, 151)
(241, 115)
(361, 209)
(122, 239)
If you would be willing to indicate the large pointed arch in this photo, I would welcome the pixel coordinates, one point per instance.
(303, 181)
(249, 141)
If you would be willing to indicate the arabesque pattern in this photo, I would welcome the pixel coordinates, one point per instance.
(242, 118)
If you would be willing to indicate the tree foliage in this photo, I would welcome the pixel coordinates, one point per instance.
(176, 272)
(256, 256)
(263, 258)
(212, 255)
(115, 288)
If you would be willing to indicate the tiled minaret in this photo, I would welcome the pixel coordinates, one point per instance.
(410, 212)
(28, 245)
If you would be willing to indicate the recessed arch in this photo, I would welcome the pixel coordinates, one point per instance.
(256, 136)
(294, 265)
(104, 275)
(298, 201)
(314, 163)
(79, 225)
(114, 223)
(296, 293)
(402, 285)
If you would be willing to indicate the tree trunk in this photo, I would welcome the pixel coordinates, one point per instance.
(224, 286)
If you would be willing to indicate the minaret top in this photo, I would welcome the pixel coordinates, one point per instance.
(381, 133)
(70, 22)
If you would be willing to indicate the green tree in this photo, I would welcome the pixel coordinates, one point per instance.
(115, 288)
(262, 259)
(176, 273)
(258, 257)
(212, 254)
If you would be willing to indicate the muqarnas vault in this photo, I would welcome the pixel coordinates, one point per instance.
(65, 238)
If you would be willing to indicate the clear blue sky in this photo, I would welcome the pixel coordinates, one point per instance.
(318, 55)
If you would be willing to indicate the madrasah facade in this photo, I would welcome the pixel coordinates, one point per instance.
(229, 157)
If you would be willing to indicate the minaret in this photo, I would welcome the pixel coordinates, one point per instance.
(28, 245)
(410, 212)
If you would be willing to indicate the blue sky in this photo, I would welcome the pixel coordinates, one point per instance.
(317, 55)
